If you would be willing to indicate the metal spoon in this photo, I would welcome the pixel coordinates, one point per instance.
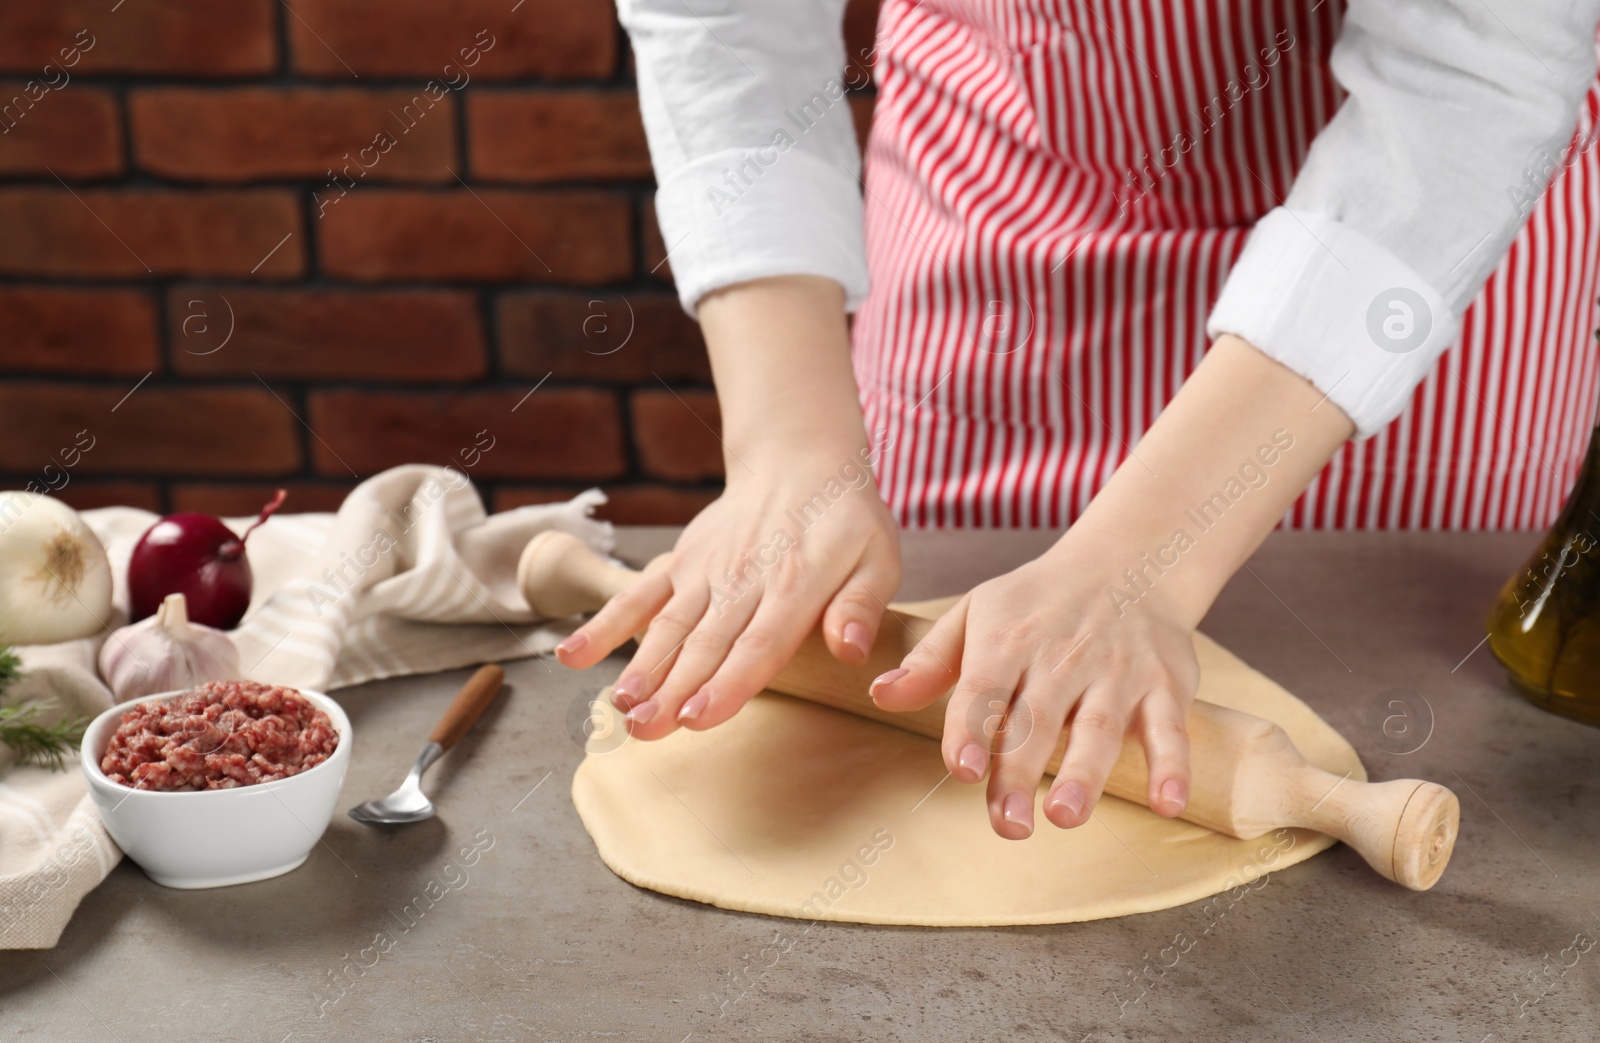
(409, 803)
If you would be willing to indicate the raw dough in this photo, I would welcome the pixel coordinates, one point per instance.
(793, 809)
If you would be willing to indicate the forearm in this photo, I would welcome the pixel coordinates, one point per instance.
(780, 357)
(1217, 470)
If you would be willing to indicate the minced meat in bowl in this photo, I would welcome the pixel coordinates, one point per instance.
(219, 735)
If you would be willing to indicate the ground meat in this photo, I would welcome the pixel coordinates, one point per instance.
(217, 736)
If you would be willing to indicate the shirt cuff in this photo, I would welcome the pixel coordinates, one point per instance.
(746, 214)
(1357, 322)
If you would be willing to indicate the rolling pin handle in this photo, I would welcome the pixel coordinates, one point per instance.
(1404, 829)
(561, 576)
(1425, 836)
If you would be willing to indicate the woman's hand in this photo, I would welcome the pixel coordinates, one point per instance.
(799, 535)
(749, 579)
(1042, 646)
(1099, 631)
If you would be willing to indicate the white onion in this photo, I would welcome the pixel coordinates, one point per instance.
(55, 581)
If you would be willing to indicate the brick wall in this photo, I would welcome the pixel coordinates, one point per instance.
(251, 244)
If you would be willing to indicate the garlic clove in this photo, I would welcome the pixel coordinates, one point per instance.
(166, 652)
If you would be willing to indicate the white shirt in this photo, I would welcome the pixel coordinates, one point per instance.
(1456, 117)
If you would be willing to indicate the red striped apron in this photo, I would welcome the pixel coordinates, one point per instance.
(1042, 275)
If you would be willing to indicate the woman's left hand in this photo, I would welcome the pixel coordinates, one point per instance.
(1045, 645)
(1099, 631)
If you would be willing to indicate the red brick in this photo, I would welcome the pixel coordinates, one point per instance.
(99, 332)
(625, 504)
(861, 106)
(655, 504)
(235, 500)
(173, 37)
(563, 136)
(554, 433)
(860, 40)
(325, 334)
(51, 231)
(533, 39)
(656, 264)
(153, 430)
(601, 335)
(676, 433)
(255, 132)
(555, 237)
(87, 495)
(74, 133)
(507, 497)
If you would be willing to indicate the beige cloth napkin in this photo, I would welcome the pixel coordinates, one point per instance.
(337, 600)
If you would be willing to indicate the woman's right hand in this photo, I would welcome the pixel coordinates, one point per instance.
(749, 579)
(799, 535)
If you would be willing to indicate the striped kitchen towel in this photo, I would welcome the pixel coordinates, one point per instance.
(410, 576)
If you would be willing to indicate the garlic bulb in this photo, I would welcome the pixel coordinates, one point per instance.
(55, 581)
(166, 652)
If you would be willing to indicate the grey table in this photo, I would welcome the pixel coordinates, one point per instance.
(536, 940)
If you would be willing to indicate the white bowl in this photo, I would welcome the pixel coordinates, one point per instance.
(212, 838)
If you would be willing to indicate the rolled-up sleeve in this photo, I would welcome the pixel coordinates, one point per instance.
(751, 139)
(1456, 114)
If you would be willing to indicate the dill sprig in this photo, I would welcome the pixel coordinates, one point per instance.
(44, 744)
(10, 668)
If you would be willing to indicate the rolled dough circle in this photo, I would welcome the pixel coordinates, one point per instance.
(798, 810)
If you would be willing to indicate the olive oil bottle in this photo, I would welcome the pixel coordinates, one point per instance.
(1545, 627)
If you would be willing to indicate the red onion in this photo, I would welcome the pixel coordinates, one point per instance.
(199, 557)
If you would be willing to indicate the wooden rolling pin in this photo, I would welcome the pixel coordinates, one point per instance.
(1247, 778)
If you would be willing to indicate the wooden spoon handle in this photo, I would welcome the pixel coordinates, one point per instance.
(468, 705)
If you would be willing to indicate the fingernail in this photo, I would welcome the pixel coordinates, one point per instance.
(642, 713)
(1018, 810)
(855, 635)
(627, 691)
(696, 703)
(971, 761)
(1068, 798)
(1174, 792)
(889, 677)
(573, 643)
